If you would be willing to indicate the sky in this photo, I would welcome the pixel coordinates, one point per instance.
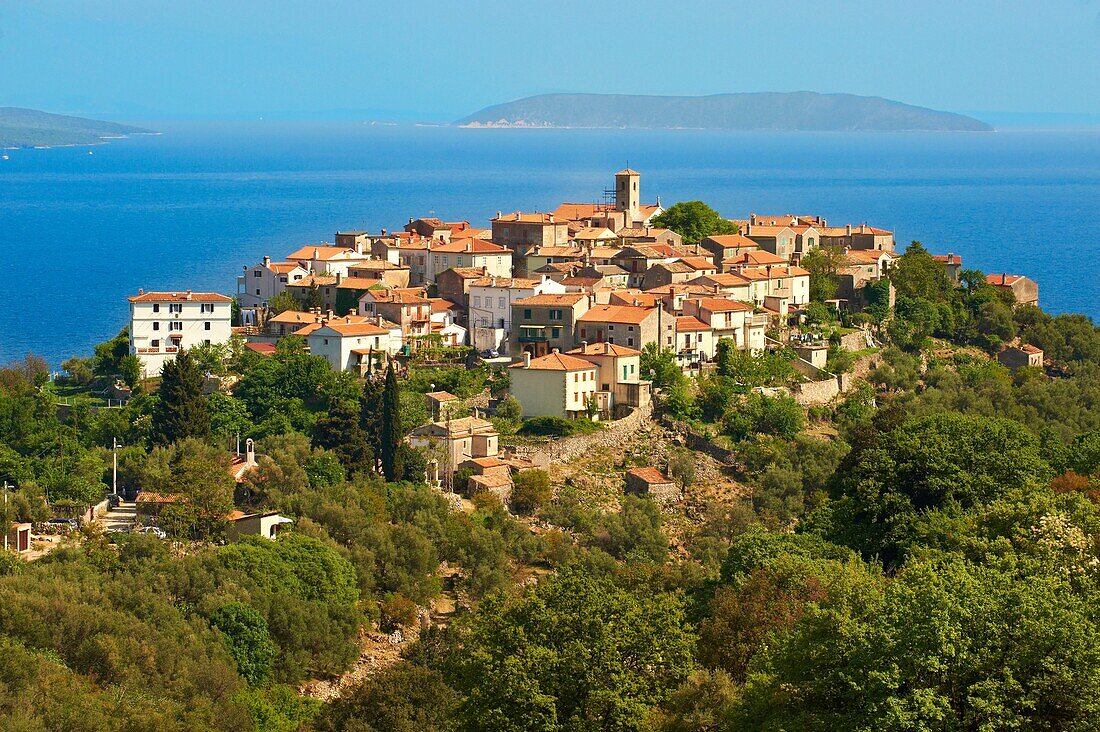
(438, 60)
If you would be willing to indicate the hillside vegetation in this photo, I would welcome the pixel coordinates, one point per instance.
(31, 128)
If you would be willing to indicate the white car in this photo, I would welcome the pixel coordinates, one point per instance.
(153, 531)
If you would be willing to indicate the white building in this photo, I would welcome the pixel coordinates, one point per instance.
(263, 281)
(348, 343)
(161, 323)
(490, 306)
(555, 385)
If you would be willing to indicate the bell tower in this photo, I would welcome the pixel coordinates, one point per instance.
(627, 196)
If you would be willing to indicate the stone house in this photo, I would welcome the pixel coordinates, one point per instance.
(653, 483)
(729, 319)
(1016, 357)
(457, 440)
(520, 232)
(543, 323)
(1024, 289)
(624, 325)
(619, 375)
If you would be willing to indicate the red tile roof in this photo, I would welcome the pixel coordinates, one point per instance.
(187, 296)
(557, 362)
(649, 475)
(569, 298)
(616, 314)
(605, 349)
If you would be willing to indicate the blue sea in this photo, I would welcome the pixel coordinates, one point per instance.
(80, 232)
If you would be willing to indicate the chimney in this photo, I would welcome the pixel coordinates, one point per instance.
(584, 346)
(383, 232)
(141, 290)
(752, 219)
(527, 359)
(556, 351)
(411, 219)
(498, 214)
(267, 260)
(347, 319)
(188, 294)
(339, 277)
(848, 230)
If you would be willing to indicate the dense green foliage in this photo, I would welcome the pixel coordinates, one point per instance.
(694, 220)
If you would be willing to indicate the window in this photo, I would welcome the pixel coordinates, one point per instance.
(584, 333)
(576, 378)
(500, 303)
(257, 290)
(175, 307)
(175, 325)
(156, 307)
(207, 307)
(283, 280)
(555, 332)
(611, 326)
(555, 315)
(206, 325)
(156, 325)
(257, 273)
(630, 341)
(326, 341)
(630, 328)
(206, 341)
(477, 301)
(155, 343)
(527, 314)
(458, 261)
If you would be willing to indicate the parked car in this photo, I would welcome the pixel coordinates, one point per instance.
(113, 500)
(153, 531)
(491, 353)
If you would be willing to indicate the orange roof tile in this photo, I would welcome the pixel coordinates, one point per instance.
(605, 349)
(187, 296)
(649, 475)
(569, 298)
(469, 246)
(322, 251)
(616, 314)
(557, 362)
(686, 323)
(722, 305)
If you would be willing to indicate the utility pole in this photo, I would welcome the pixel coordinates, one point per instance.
(114, 465)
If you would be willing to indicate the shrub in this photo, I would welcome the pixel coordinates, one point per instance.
(558, 427)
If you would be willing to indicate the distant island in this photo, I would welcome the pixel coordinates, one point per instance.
(796, 111)
(32, 128)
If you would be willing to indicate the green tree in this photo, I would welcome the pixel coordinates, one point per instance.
(390, 433)
(340, 432)
(79, 369)
(313, 297)
(694, 220)
(401, 698)
(246, 636)
(199, 475)
(660, 366)
(531, 491)
(181, 409)
(282, 302)
(918, 275)
(577, 653)
(823, 264)
(129, 368)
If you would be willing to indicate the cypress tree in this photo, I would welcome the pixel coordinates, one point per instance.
(340, 432)
(181, 410)
(370, 413)
(390, 433)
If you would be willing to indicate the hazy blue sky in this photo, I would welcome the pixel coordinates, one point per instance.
(440, 59)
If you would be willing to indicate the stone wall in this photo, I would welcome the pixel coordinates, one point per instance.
(816, 392)
(854, 341)
(569, 448)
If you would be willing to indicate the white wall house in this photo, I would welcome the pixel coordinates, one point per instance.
(347, 345)
(265, 280)
(161, 323)
(490, 306)
(555, 385)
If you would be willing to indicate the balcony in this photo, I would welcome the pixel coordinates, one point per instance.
(533, 334)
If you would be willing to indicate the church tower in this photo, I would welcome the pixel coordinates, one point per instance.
(627, 196)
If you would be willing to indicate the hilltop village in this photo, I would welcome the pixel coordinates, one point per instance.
(614, 466)
(571, 308)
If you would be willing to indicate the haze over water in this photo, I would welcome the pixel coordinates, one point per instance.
(185, 210)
